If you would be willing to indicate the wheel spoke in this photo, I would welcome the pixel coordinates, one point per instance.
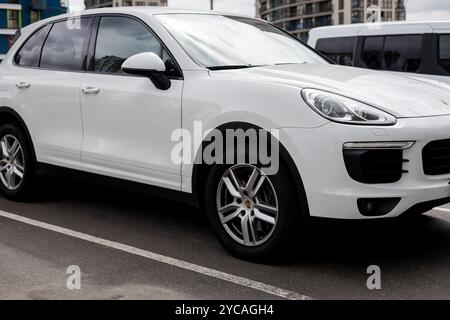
(18, 172)
(251, 181)
(233, 185)
(264, 217)
(266, 207)
(18, 165)
(228, 218)
(252, 231)
(4, 147)
(228, 207)
(14, 149)
(258, 185)
(9, 178)
(245, 231)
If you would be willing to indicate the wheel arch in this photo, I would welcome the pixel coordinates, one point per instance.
(8, 114)
(200, 170)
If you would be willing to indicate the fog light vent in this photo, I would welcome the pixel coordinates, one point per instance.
(374, 207)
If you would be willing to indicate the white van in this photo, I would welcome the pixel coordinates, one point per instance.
(418, 48)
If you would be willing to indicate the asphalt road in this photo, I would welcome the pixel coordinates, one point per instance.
(329, 262)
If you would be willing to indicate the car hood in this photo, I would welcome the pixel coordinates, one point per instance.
(403, 97)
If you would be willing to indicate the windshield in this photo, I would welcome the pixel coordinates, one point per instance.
(219, 41)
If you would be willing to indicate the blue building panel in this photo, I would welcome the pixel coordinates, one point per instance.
(32, 10)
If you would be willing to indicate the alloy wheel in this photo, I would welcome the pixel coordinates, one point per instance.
(12, 162)
(247, 204)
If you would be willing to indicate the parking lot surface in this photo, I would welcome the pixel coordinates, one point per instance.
(157, 249)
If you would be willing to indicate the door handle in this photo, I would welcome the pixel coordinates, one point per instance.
(23, 85)
(90, 90)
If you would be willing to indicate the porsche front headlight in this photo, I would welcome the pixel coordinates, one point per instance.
(345, 110)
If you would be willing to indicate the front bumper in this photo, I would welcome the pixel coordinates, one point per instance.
(332, 193)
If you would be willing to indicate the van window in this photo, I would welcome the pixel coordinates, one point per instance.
(372, 52)
(65, 45)
(403, 53)
(340, 50)
(28, 55)
(444, 51)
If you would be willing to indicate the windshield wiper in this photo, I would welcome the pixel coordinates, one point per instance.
(287, 63)
(231, 67)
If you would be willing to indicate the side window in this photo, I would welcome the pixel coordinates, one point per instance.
(340, 50)
(28, 55)
(403, 53)
(444, 51)
(372, 51)
(119, 38)
(65, 45)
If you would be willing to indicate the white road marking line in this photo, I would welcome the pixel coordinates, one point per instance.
(442, 209)
(163, 259)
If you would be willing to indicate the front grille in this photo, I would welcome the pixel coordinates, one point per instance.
(436, 157)
(375, 166)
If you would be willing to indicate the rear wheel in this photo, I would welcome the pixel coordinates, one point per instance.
(16, 163)
(255, 216)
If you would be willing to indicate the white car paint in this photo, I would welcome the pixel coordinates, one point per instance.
(124, 130)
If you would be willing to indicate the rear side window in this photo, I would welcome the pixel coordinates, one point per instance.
(28, 55)
(403, 53)
(444, 51)
(340, 50)
(118, 39)
(66, 45)
(372, 52)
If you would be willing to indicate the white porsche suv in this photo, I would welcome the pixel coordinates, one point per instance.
(119, 93)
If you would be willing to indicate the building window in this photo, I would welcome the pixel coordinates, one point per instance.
(387, 4)
(10, 41)
(35, 16)
(13, 19)
(341, 4)
(341, 18)
(357, 16)
(386, 15)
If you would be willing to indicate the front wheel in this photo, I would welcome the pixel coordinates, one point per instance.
(254, 216)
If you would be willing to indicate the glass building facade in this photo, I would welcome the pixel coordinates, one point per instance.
(300, 16)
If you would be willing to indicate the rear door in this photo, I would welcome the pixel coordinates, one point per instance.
(47, 89)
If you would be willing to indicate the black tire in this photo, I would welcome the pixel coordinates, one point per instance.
(24, 191)
(287, 228)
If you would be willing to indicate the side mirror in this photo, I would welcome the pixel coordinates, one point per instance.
(149, 65)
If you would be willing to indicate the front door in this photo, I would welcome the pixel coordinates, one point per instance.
(127, 121)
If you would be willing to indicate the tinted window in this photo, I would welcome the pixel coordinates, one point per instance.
(444, 51)
(28, 55)
(65, 45)
(403, 53)
(119, 38)
(340, 50)
(372, 51)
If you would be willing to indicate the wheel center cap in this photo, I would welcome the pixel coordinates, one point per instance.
(248, 204)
